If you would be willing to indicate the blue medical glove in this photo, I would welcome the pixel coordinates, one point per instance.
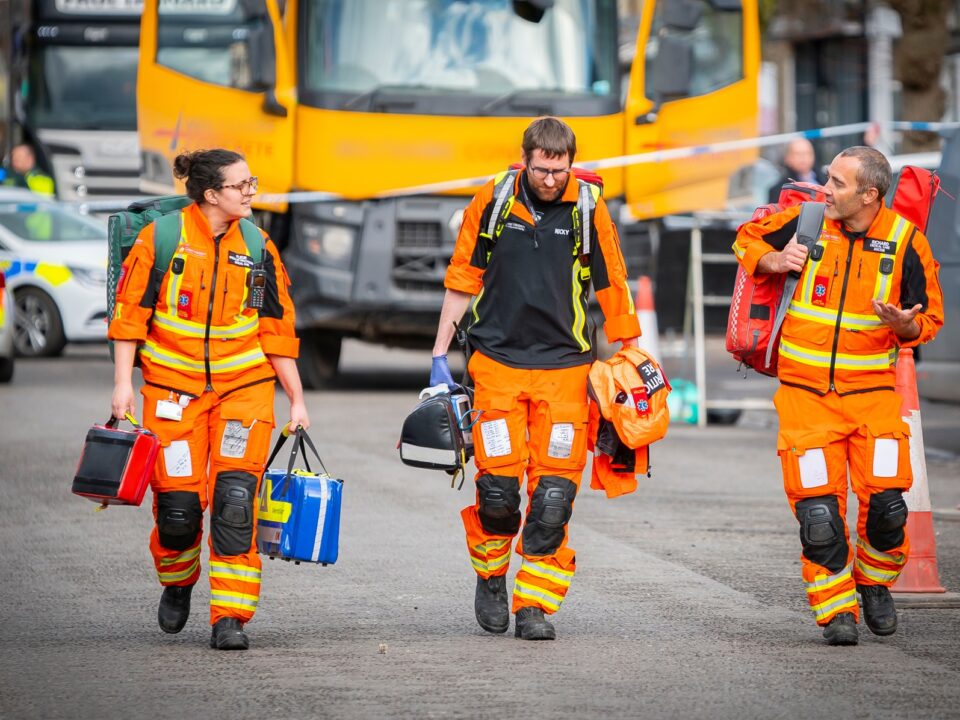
(440, 372)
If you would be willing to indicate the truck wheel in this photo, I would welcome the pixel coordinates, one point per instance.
(38, 331)
(319, 357)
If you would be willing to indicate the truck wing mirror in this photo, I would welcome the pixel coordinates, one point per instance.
(682, 15)
(532, 10)
(673, 69)
(263, 67)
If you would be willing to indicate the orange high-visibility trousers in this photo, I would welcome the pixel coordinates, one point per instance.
(533, 422)
(820, 438)
(232, 434)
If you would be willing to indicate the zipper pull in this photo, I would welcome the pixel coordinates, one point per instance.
(202, 286)
(859, 265)
(836, 267)
(536, 245)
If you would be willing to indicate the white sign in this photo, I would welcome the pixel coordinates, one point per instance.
(197, 7)
(107, 7)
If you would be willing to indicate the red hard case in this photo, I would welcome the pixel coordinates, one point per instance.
(116, 465)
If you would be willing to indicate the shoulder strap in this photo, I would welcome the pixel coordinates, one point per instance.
(166, 237)
(502, 201)
(256, 244)
(809, 226)
(586, 204)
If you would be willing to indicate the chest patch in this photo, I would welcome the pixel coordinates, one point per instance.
(516, 226)
(241, 260)
(887, 247)
(821, 290)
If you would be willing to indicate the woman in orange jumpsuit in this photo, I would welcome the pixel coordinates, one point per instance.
(212, 333)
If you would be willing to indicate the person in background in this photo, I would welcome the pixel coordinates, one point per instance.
(23, 173)
(799, 163)
(213, 335)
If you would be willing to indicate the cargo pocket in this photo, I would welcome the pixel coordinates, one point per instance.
(887, 461)
(498, 433)
(804, 459)
(563, 440)
(243, 434)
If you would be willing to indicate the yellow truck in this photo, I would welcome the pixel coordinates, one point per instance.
(343, 102)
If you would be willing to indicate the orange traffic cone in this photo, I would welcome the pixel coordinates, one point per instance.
(920, 574)
(650, 339)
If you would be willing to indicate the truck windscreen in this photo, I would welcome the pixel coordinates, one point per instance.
(75, 87)
(460, 57)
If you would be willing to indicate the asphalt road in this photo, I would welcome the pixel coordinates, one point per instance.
(687, 601)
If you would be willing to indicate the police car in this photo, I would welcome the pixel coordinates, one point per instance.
(55, 262)
(6, 331)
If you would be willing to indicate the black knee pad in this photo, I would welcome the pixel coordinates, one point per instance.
(885, 519)
(550, 510)
(231, 522)
(499, 504)
(178, 519)
(822, 532)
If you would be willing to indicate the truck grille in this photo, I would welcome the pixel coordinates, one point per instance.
(419, 258)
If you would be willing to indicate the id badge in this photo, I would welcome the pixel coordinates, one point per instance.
(169, 410)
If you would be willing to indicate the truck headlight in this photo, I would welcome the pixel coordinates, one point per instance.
(93, 278)
(330, 245)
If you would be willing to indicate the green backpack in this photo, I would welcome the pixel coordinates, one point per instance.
(124, 227)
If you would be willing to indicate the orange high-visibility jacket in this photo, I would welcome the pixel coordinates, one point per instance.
(832, 339)
(202, 336)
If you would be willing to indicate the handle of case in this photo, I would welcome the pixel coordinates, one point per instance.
(114, 421)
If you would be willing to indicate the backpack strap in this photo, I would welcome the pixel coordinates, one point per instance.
(256, 244)
(167, 230)
(809, 227)
(503, 197)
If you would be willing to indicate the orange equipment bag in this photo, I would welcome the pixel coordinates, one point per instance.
(753, 326)
(116, 465)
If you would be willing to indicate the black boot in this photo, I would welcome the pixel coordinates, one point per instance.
(490, 604)
(228, 634)
(878, 609)
(532, 625)
(842, 630)
(174, 608)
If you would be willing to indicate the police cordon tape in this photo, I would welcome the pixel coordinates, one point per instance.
(618, 161)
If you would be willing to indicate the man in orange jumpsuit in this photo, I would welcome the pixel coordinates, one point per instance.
(214, 332)
(868, 287)
(520, 254)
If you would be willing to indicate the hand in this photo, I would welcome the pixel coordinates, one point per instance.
(123, 401)
(902, 322)
(792, 257)
(440, 372)
(298, 416)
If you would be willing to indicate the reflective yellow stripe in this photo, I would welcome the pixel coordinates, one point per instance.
(238, 572)
(897, 233)
(825, 582)
(806, 293)
(223, 598)
(476, 301)
(174, 281)
(898, 558)
(877, 574)
(490, 545)
(188, 328)
(844, 361)
(824, 610)
(182, 557)
(544, 597)
(579, 316)
(170, 577)
(553, 574)
(174, 360)
(490, 565)
(828, 316)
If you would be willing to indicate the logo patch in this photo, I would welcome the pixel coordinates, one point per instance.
(516, 226)
(821, 289)
(887, 247)
(561, 231)
(652, 378)
(184, 304)
(241, 260)
(641, 401)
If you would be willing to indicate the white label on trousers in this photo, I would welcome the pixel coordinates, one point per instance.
(234, 441)
(169, 410)
(561, 440)
(886, 457)
(813, 468)
(496, 437)
(176, 459)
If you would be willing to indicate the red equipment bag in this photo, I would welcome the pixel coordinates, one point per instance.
(914, 196)
(753, 326)
(116, 465)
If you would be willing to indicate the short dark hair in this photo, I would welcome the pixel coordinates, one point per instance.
(203, 170)
(874, 170)
(550, 135)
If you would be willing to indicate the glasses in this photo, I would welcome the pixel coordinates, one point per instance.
(541, 173)
(244, 186)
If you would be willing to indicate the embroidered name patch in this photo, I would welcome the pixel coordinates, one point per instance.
(887, 247)
(516, 226)
(238, 259)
